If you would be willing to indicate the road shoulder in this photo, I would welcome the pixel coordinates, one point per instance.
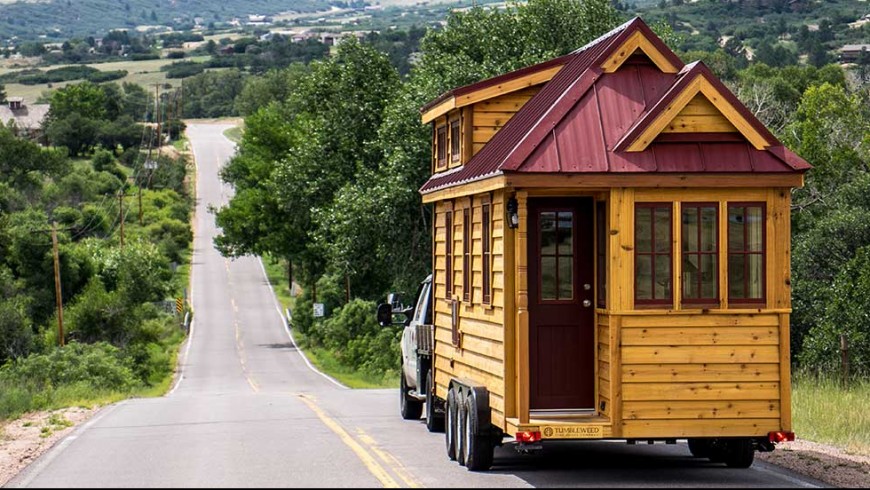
(821, 462)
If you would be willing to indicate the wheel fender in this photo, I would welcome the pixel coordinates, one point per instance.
(480, 395)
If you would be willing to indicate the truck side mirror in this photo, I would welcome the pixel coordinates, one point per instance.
(409, 314)
(385, 314)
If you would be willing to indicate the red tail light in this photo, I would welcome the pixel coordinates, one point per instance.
(529, 436)
(781, 436)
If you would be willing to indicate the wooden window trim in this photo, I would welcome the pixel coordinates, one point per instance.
(441, 150)
(466, 255)
(701, 302)
(749, 302)
(486, 249)
(654, 302)
(455, 141)
(448, 262)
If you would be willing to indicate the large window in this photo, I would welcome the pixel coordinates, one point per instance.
(487, 252)
(441, 146)
(466, 255)
(746, 250)
(700, 253)
(557, 255)
(653, 254)
(454, 141)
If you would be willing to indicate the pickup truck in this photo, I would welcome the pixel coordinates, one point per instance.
(415, 382)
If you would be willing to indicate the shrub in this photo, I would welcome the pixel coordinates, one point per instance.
(16, 331)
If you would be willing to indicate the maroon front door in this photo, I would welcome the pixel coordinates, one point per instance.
(561, 312)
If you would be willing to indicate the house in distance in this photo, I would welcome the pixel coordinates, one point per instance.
(611, 256)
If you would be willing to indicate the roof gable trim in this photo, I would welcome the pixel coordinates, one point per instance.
(638, 41)
(669, 107)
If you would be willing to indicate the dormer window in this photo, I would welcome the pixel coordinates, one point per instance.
(441, 146)
(454, 141)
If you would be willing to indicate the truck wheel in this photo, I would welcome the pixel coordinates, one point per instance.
(450, 424)
(410, 407)
(739, 453)
(700, 448)
(434, 421)
(461, 424)
(477, 445)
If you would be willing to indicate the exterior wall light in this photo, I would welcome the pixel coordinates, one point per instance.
(513, 218)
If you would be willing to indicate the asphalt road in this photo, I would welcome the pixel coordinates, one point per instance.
(248, 411)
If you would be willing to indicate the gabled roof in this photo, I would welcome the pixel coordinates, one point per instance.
(607, 96)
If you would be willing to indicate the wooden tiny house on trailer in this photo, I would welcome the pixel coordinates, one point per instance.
(611, 256)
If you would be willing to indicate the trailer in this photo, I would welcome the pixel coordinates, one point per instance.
(611, 259)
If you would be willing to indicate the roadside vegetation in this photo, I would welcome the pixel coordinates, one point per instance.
(120, 337)
(825, 411)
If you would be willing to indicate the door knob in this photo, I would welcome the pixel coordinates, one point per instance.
(587, 303)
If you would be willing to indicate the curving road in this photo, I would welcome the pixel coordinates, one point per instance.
(248, 411)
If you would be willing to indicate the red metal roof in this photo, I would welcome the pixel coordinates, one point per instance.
(577, 121)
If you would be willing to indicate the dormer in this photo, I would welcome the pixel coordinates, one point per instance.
(464, 119)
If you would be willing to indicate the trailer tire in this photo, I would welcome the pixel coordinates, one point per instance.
(450, 424)
(434, 422)
(739, 453)
(461, 430)
(410, 408)
(478, 447)
(700, 448)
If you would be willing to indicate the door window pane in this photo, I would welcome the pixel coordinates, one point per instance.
(557, 255)
(548, 278)
(566, 234)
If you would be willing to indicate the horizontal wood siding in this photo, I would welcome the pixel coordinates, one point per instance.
(700, 375)
(491, 115)
(480, 357)
(604, 375)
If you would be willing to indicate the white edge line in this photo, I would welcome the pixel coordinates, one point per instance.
(290, 334)
(34, 469)
(181, 362)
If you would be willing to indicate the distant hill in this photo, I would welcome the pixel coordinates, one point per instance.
(63, 19)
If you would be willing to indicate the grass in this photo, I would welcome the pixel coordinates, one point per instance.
(323, 359)
(234, 134)
(823, 411)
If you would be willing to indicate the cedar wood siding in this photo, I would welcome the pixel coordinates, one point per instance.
(490, 115)
(481, 355)
(686, 372)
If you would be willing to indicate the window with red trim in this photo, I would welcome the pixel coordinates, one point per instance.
(700, 253)
(448, 265)
(746, 252)
(441, 146)
(486, 222)
(653, 254)
(466, 255)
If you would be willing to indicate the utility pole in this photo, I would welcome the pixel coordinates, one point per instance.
(57, 288)
(140, 206)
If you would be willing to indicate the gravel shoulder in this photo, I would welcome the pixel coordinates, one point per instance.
(822, 462)
(22, 441)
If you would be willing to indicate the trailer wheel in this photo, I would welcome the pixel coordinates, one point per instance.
(461, 424)
(450, 424)
(739, 453)
(411, 408)
(434, 422)
(700, 448)
(477, 445)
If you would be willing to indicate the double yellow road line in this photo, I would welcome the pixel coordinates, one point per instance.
(367, 450)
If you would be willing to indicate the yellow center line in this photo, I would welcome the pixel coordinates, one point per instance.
(388, 459)
(240, 348)
(367, 459)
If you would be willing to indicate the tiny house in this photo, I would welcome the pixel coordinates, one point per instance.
(611, 252)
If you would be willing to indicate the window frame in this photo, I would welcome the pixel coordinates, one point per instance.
(717, 295)
(486, 249)
(728, 253)
(448, 255)
(540, 256)
(455, 141)
(466, 254)
(441, 149)
(653, 205)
